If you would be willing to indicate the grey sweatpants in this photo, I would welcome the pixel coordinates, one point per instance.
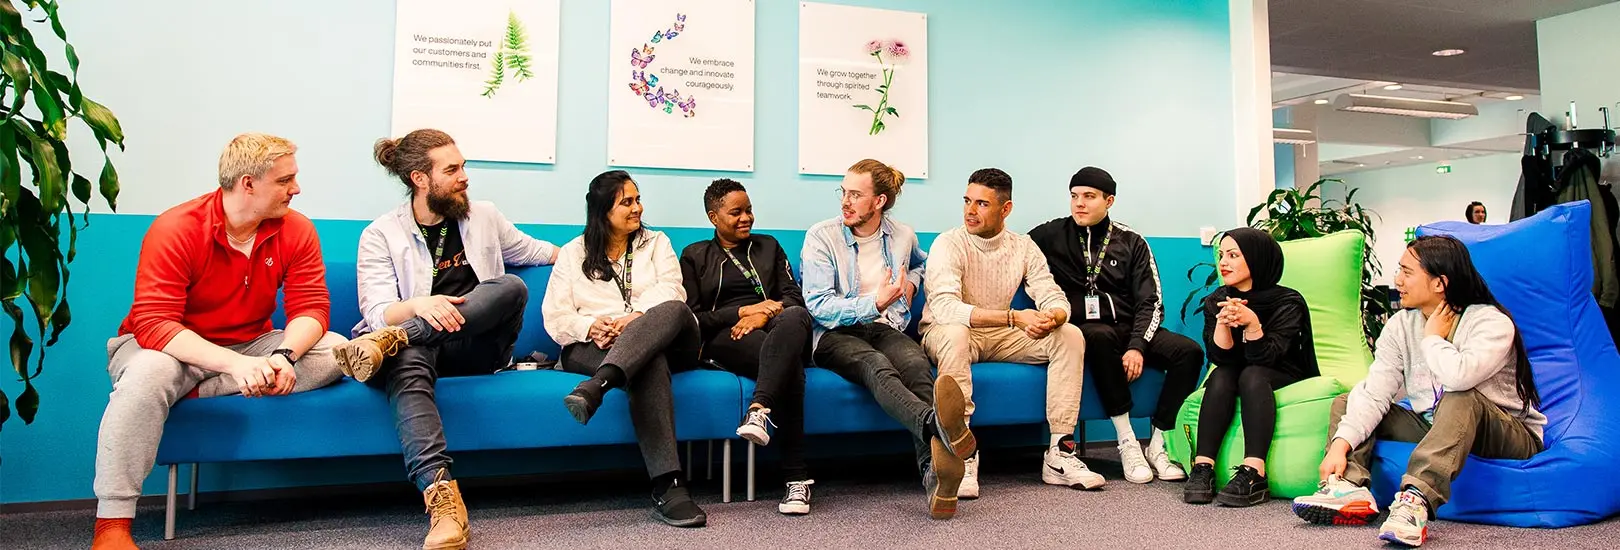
(146, 383)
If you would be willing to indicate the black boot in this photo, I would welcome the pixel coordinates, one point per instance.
(1247, 488)
(1200, 487)
(583, 401)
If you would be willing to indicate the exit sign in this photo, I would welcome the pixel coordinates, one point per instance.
(1443, 169)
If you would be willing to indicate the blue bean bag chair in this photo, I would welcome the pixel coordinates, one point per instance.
(1540, 268)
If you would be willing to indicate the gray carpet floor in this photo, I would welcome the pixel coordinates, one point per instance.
(872, 503)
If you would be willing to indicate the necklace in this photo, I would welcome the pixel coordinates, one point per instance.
(244, 240)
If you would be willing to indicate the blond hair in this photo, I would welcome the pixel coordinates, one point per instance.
(251, 154)
(886, 180)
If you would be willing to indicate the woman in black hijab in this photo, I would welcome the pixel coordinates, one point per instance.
(1258, 335)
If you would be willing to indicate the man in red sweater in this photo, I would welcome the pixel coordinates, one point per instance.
(205, 288)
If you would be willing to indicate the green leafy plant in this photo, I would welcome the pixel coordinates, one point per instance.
(511, 55)
(497, 74)
(36, 104)
(1294, 214)
(517, 48)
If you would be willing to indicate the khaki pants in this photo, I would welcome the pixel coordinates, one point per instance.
(955, 348)
(1465, 423)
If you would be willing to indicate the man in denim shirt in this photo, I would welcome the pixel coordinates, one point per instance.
(860, 274)
(436, 301)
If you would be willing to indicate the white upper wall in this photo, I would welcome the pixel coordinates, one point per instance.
(1578, 63)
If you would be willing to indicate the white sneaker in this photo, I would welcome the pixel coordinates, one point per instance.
(1167, 470)
(970, 480)
(753, 427)
(1066, 469)
(1135, 465)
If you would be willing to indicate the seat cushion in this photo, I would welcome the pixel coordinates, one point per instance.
(508, 410)
(1327, 272)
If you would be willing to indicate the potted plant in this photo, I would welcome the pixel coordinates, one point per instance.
(1294, 214)
(36, 105)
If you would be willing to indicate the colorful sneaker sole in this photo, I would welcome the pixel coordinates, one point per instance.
(1388, 536)
(1355, 513)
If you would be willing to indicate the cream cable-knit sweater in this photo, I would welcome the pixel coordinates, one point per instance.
(965, 272)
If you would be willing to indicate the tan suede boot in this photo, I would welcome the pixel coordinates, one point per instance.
(447, 528)
(361, 357)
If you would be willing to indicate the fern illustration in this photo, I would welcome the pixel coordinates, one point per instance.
(517, 47)
(497, 74)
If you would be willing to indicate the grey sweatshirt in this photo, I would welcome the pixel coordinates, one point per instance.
(1411, 365)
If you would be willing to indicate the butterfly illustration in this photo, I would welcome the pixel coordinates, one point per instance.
(689, 105)
(672, 33)
(655, 100)
(669, 107)
(657, 35)
(637, 60)
(674, 97)
(640, 88)
(646, 49)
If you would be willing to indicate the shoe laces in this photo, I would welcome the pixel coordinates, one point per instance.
(1246, 476)
(1069, 460)
(972, 465)
(1409, 509)
(441, 501)
(390, 340)
(1131, 456)
(760, 417)
(799, 490)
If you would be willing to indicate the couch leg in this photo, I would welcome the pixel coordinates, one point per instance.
(689, 464)
(751, 471)
(192, 501)
(168, 516)
(708, 467)
(725, 471)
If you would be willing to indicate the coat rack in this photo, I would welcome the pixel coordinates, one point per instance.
(1544, 137)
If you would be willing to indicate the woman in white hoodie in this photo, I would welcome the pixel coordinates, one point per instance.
(1451, 375)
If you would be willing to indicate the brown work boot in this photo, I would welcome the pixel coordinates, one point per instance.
(447, 528)
(361, 357)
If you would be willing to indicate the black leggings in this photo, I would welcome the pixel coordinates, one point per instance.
(1254, 385)
(774, 357)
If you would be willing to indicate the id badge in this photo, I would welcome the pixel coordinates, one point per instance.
(1093, 308)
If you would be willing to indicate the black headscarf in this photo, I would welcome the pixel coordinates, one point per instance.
(1261, 252)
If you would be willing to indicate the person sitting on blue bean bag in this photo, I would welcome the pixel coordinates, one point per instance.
(1450, 374)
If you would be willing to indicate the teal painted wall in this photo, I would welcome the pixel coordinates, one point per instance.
(1038, 88)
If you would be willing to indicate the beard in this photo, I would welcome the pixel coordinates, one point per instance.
(453, 205)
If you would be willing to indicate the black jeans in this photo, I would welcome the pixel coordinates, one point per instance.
(1178, 356)
(893, 367)
(1255, 386)
(774, 357)
(494, 314)
(662, 341)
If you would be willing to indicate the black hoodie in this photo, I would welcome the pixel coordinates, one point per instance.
(1127, 284)
(704, 269)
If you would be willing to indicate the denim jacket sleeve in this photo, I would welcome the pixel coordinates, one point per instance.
(377, 281)
(829, 307)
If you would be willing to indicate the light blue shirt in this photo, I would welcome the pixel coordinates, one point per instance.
(394, 263)
(832, 280)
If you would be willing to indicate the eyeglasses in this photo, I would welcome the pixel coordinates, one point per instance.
(851, 195)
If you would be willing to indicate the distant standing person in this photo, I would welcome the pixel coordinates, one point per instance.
(1476, 213)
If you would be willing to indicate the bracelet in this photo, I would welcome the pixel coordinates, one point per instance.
(1010, 319)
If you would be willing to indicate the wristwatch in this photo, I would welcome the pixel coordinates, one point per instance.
(285, 354)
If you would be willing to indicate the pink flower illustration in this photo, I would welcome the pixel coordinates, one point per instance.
(873, 47)
(898, 49)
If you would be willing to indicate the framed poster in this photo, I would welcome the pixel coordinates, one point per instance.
(863, 88)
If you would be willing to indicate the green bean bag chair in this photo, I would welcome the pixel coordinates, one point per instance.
(1327, 272)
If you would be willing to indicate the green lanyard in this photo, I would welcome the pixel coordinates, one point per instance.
(749, 272)
(438, 252)
(1094, 268)
(625, 283)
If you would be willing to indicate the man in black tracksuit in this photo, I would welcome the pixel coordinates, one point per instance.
(1109, 274)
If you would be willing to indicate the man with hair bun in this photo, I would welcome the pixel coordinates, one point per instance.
(205, 289)
(435, 301)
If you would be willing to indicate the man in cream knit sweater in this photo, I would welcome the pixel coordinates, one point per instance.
(973, 273)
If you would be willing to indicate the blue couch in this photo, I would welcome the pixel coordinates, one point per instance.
(708, 404)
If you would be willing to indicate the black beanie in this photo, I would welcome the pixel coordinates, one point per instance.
(1093, 177)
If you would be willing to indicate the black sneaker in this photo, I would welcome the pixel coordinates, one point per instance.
(1247, 488)
(797, 500)
(676, 507)
(583, 401)
(1200, 487)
